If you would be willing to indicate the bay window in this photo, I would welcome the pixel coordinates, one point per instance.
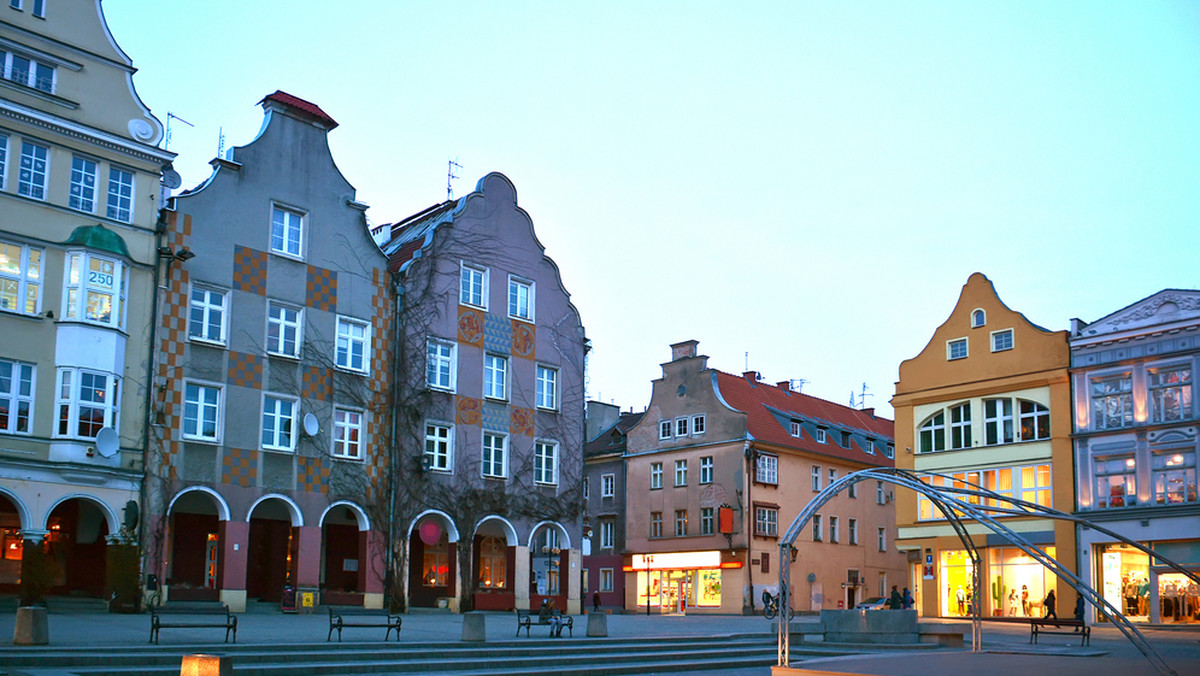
(87, 401)
(94, 289)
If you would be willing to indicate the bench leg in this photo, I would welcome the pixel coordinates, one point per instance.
(330, 636)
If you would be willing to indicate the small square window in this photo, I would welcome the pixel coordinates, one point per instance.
(665, 429)
(1002, 340)
(795, 429)
(956, 349)
(681, 427)
(698, 424)
(820, 436)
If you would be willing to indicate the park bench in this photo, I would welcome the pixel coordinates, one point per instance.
(341, 618)
(1042, 625)
(191, 614)
(526, 618)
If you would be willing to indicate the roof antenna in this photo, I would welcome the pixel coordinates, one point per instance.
(747, 362)
(167, 136)
(221, 142)
(451, 166)
(862, 398)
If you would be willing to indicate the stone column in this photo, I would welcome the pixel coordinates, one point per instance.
(573, 581)
(372, 567)
(308, 556)
(520, 578)
(233, 538)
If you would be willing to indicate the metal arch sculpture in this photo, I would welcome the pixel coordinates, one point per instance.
(949, 500)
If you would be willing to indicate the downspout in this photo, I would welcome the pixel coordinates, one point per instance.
(398, 288)
(748, 510)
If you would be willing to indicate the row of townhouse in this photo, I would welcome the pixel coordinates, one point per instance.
(687, 500)
(1099, 422)
(247, 386)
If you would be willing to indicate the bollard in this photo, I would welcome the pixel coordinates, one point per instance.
(206, 665)
(474, 628)
(597, 624)
(31, 627)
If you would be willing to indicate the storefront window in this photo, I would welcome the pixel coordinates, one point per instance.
(436, 564)
(1019, 581)
(1125, 580)
(956, 583)
(1178, 598)
(492, 568)
(671, 589)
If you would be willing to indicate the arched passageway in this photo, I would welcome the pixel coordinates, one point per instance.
(193, 550)
(270, 553)
(494, 564)
(77, 544)
(12, 545)
(344, 563)
(548, 560)
(432, 568)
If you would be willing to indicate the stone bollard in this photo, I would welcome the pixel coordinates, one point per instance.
(31, 627)
(206, 665)
(474, 627)
(597, 624)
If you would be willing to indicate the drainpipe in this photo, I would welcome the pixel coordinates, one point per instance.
(398, 288)
(748, 510)
(160, 228)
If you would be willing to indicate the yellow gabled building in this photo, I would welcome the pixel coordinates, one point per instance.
(987, 401)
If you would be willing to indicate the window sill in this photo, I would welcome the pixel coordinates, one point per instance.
(497, 400)
(199, 440)
(267, 449)
(208, 343)
(548, 409)
(525, 320)
(345, 458)
(438, 388)
(288, 357)
(353, 372)
(283, 254)
(481, 308)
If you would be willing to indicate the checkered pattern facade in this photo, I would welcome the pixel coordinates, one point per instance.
(377, 428)
(321, 289)
(317, 383)
(312, 475)
(250, 270)
(497, 334)
(167, 400)
(239, 467)
(245, 370)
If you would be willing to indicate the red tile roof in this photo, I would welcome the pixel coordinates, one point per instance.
(305, 108)
(770, 409)
(407, 237)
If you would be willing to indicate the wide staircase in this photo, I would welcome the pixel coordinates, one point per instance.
(495, 658)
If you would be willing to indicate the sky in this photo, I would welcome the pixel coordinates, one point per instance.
(802, 187)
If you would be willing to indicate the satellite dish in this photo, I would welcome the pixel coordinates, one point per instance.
(172, 179)
(107, 442)
(311, 426)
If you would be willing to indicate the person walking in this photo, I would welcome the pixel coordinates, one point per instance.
(1079, 605)
(1048, 604)
(908, 599)
(595, 601)
(895, 602)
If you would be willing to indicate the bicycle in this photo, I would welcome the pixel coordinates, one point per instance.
(771, 606)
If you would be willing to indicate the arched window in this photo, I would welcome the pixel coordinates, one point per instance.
(1035, 421)
(978, 319)
(493, 571)
(933, 433)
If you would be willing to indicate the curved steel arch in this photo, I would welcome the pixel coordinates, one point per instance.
(948, 500)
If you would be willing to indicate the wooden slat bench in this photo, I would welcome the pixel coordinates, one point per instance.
(1041, 625)
(193, 614)
(527, 618)
(341, 618)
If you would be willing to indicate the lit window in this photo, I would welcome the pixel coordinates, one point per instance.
(347, 434)
(278, 423)
(1002, 340)
(27, 71)
(439, 446)
(706, 520)
(495, 455)
(1035, 421)
(20, 278)
(493, 563)
(287, 231)
(956, 349)
(698, 424)
(664, 429)
(283, 330)
(495, 376)
(1116, 481)
(1035, 485)
(656, 475)
(547, 387)
(83, 185)
(960, 426)
(680, 523)
(87, 402)
(706, 469)
(1112, 402)
(95, 289)
(120, 194)
(353, 337)
(520, 299)
(608, 483)
(655, 524)
(816, 478)
(201, 412)
(439, 364)
(767, 470)
(31, 179)
(206, 315)
(1174, 476)
(545, 462)
(681, 467)
(606, 534)
(473, 286)
(933, 433)
(16, 396)
(997, 421)
(1170, 393)
(766, 521)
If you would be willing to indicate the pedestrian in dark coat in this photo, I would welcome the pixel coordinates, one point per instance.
(1048, 603)
(896, 602)
(908, 599)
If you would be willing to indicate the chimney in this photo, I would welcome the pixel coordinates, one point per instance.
(869, 411)
(684, 350)
(751, 376)
(785, 385)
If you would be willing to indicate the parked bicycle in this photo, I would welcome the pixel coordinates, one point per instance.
(771, 606)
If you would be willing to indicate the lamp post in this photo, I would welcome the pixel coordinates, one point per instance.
(551, 553)
(649, 561)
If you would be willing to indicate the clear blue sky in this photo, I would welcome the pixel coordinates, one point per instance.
(808, 182)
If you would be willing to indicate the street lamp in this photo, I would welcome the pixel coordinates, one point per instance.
(649, 560)
(551, 563)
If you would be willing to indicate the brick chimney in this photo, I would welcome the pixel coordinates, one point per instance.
(684, 350)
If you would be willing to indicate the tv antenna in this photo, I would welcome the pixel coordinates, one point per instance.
(451, 167)
(221, 142)
(167, 136)
(862, 398)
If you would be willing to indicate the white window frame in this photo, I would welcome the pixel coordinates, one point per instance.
(978, 318)
(935, 426)
(852, 531)
(3, 152)
(880, 495)
(34, 170)
(351, 334)
(821, 436)
(666, 429)
(1099, 400)
(832, 475)
(287, 226)
(607, 530)
(960, 426)
(69, 404)
(656, 475)
(210, 399)
(707, 520)
(881, 538)
(681, 426)
(998, 343)
(470, 277)
(441, 359)
(78, 289)
(283, 416)
(816, 529)
(281, 324)
(547, 387)
(999, 423)
(706, 469)
(85, 173)
(349, 433)
(120, 206)
(515, 287)
(816, 478)
(766, 521)
(439, 446)
(18, 397)
(39, 9)
(41, 76)
(681, 472)
(545, 463)
(1180, 390)
(494, 467)
(608, 485)
(767, 469)
(794, 429)
(27, 276)
(207, 310)
(606, 579)
(495, 376)
(833, 529)
(699, 424)
(951, 349)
